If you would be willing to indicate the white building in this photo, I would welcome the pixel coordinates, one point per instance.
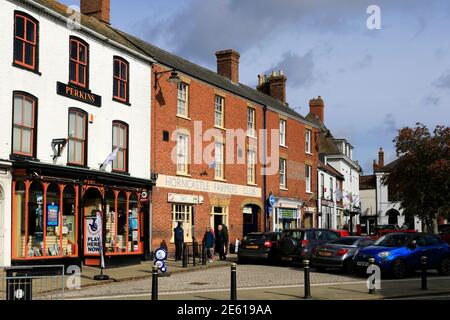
(339, 154)
(72, 92)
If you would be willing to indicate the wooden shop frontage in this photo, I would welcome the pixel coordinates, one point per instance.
(54, 211)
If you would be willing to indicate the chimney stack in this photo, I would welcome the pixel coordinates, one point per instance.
(228, 64)
(317, 107)
(99, 9)
(381, 158)
(273, 85)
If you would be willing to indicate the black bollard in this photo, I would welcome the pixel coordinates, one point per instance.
(307, 280)
(233, 282)
(184, 256)
(155, 283)
(424, 263)
(372, 289)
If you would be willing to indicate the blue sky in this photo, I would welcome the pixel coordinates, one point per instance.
(373, 81)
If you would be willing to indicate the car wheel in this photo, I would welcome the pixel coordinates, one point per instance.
(349, 267)
(444, 267)
(399, 270)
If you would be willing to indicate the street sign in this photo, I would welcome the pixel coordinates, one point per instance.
(271, 200)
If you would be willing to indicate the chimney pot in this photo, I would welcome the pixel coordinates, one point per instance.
(317, 107)
(228, 64)
(99, 9)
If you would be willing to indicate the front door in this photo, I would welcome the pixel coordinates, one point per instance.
(250, 218)
(91, 227)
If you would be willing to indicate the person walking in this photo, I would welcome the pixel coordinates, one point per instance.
(220, 241)
(227, 238)
(208, 241)
(179, 240)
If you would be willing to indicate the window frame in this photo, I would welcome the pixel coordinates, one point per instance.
(186, 156)
(219, 166)
(283, 126)
(34, 122)
(118, 80)
(282, 173)
(308, 140)
(251, 125)
(22, 64)
(126, 127)
(308, 178)
(187, 211)
(221, 112)
(251, 166)
(85, 142)
(76, 82)
(186, 101)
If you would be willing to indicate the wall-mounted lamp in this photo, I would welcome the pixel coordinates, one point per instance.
(174, 77)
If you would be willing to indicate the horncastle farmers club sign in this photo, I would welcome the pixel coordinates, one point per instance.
(78, 94)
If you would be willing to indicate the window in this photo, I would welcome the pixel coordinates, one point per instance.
(282, 133)
(26, 30)
(121, 80)
(219, 111)
(251, 129)
(182, 102)
(218, 160)
(331, 188)
(79, 61)
(77, 150)
(182, 213)
(251, 166)
(283, 173)
(182, 153)
(308, 141)
(24, 124)
(322, 185)
(120, 142)
(308, 178)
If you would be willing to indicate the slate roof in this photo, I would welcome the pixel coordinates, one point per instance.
(367, 182)
(173, 61)
(330, 170)
(326, 143)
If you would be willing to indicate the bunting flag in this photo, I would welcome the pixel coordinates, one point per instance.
(109, 160)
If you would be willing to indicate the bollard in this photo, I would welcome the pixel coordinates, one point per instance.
(233, 282)
(372, 289)
(423, 263)
(307, 280)
(203, 255)
(155, 283)
(184, 256)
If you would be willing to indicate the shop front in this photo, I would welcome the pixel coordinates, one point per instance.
(327, 216)
(287, 214)
(5, 213)
(55, 215)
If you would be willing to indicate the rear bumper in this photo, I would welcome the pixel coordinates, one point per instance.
(253, 254)
(327, 262)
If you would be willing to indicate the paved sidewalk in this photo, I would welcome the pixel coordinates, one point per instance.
(144, 270)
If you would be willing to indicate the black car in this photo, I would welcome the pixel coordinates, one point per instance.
(298, 244)
(258, 246)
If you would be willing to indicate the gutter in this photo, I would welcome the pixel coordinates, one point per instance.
(89, 31)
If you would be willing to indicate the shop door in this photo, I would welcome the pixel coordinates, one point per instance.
(92, 202)
(250, 218)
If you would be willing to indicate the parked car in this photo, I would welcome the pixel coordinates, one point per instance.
(400, 253)
(342, 233)
(445, 235)
(258, 246)
(298, 244)
(339, 253)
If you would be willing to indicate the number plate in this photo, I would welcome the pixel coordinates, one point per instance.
(362, 264)
(251, 247)
(286, 258)
(324, 253)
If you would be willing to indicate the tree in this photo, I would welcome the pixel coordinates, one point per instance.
(420, 178)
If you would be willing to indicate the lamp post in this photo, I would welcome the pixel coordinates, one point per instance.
(174, 77)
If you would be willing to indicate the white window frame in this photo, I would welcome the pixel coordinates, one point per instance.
(251, 122)
(219, 156)
(308, 174)
(283, 169)
(182, 212)
(308, 141)
(251, 166)
(283, 125)
(182, 154)
(183, 99)
(219, 111)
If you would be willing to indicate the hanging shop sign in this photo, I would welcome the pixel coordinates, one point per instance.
(78, 94)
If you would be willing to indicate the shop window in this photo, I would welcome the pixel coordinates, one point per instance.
(24, 124)
(52, 221)
(79, 62)
(133, 224)
(77, 151)
(69, 222)
(120, 142)
(35, 235)
(121, 80)
(19, 219)
(26, 47)
(122, 225)
(182, 213)
(111, 221)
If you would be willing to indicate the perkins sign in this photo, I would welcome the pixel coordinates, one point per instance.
(78, 94)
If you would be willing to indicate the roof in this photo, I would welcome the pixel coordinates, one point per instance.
(173, 61)
(326, 143)
(367, 182)
(330, 170)
(388, 167)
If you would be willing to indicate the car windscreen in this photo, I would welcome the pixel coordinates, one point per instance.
(393, 240)
(345, 241)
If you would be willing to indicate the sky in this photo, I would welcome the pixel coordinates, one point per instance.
(373, 81)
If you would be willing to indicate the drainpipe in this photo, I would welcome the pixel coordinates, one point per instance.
(265, 164)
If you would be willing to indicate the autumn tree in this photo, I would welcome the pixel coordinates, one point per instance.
(420, 179)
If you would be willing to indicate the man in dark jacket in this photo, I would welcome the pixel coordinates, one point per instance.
(208, 240)
(179, 240)
(221, 240)
(227, 238)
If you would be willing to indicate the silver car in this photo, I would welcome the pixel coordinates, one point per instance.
(339, 253)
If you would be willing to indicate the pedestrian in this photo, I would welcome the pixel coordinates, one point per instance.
(227, 238)
(220, 241)
(208, 242)
(179, 240)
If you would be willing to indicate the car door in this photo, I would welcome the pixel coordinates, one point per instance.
(414, 254)
(434, 250)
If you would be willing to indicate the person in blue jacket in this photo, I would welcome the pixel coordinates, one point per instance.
(209, 240)
(179, 240)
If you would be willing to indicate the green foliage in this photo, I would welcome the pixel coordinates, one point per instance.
(420, 178)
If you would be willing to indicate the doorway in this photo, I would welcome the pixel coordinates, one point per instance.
(250, 219)
(93, 201)
(393, 217)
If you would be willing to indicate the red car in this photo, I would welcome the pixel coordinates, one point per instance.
(342, 233)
